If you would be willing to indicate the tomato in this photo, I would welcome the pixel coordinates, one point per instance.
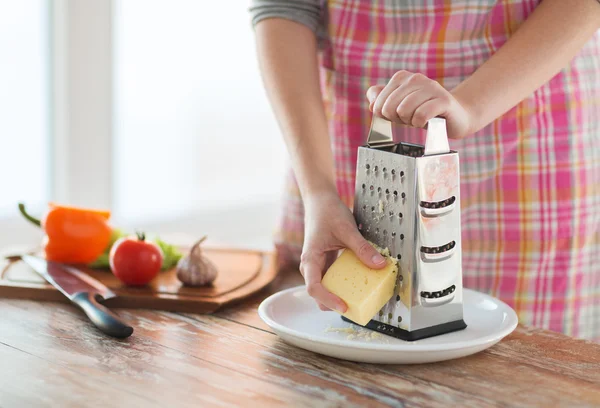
(135, 261)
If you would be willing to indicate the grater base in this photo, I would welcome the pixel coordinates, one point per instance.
(413, 335)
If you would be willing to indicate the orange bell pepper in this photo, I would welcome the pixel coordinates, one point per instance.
(73, 235)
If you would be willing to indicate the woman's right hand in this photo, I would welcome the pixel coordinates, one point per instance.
(329, 227)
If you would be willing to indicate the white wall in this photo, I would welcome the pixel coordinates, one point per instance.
(193, 128)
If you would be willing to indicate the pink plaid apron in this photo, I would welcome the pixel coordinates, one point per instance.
(530, 181)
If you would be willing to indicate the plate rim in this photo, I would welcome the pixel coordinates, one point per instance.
(408, 346)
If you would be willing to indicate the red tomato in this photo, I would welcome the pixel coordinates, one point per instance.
(135, 261)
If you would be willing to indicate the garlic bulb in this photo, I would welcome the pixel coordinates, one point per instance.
(195, 269)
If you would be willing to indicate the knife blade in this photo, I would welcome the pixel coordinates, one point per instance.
(84, 291)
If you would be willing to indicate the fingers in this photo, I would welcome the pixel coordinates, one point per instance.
(414, 85)
(428, 110)
(410, 99)
(323, 307)
(406, 108)
(395, 82)
(312, 266)
(372, 94)
(364, 250)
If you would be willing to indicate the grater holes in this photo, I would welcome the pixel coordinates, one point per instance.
(384, 170)
(373, 209)
(367, 166)
(439, 293)
(401, 236)
(439, 249)
(393, 234)
(387, 191)
(403, 195)
(384, 232)
(379, 189)
(376, 168)
(395, 194)
(393, 172)
(401, 173)
(438, 204)
(371, 187)
(399, 257)
(401, 278)
(400, 215)
(391, 213)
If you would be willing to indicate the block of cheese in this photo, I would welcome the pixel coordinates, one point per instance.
(364, 290)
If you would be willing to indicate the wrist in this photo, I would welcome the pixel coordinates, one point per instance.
(316, 200)
(474, 111)
(316, 179)
(320, 194)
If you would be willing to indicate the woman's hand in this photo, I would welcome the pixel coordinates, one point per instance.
(412, 99)
(329, 227)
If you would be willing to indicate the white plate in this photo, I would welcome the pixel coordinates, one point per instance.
(295, 317)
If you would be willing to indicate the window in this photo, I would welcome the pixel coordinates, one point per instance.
(193, 129)
(156, 110)
(24, 114)
(24, 107)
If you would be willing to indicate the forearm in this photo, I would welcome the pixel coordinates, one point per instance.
(287, 54)
(542, 46)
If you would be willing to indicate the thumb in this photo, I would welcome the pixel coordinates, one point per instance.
(372, 94)
(312, 266)
(365, 251)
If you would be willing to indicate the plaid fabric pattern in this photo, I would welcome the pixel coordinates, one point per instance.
(530, 181)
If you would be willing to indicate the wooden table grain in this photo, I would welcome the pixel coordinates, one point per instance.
(50, 356)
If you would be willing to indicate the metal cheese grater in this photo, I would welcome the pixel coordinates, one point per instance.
(407, 200)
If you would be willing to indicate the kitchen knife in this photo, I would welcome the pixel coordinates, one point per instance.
(82, 290)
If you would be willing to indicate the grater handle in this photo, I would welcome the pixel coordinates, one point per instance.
(436, 141)
(380, 134)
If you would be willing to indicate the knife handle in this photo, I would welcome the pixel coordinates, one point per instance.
(102, 318)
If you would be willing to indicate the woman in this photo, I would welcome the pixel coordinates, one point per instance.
(519, 84)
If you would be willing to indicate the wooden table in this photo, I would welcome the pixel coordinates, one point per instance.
(51, 356)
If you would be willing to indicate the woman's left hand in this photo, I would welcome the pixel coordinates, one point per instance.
(412, 99)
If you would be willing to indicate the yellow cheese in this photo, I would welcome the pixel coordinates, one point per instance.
(364, 290)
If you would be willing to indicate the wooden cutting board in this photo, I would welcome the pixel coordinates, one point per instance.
(241, 274)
